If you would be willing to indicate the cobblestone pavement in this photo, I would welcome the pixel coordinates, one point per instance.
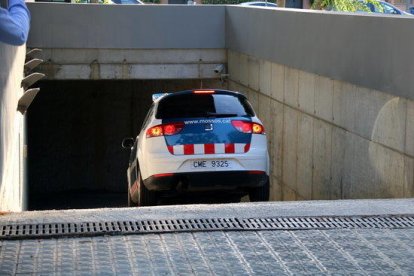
(312, 252)
(357, 251)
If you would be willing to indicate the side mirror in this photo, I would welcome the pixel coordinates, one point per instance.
(128, 143)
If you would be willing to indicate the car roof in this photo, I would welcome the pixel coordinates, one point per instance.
(252, 3)
(133, 2)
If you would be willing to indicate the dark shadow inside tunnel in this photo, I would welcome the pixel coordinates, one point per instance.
(75, 130)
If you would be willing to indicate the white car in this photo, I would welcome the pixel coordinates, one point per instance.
(126, 2)
(198, 141)
(259, 4)
(384, 7)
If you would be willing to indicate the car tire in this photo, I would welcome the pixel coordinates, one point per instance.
(260, 193)
(145, 196)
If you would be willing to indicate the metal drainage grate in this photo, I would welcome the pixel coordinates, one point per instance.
(304, 223)
(50, 230)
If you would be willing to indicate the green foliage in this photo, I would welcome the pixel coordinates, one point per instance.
(227, 2)
(345, 5)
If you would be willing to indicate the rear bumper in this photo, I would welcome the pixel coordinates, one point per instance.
(162, 161)
(206, 181)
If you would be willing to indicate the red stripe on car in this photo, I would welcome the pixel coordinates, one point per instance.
(229, 148)
(209, 149)
(246, 147)
(188, 149)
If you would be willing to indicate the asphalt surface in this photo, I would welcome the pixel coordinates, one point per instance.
(356, 251)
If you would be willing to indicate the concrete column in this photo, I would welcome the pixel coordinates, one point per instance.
(11, 128)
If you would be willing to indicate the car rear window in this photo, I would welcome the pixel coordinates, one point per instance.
(203, 105)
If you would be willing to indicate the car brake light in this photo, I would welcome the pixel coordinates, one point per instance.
(165, 129)
(248, 127)
(154, 131)
(242, 126)
(171, 129)
(203, 91)
(163, 175)
(257, 129)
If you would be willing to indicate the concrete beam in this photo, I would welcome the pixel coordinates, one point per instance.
(142, 56)
(96, 71)
(72, 64)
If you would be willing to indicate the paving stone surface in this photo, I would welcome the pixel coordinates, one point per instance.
(367, 251)
(311, 252)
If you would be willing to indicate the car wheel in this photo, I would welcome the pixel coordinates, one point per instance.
(260, 193)
(145, 196)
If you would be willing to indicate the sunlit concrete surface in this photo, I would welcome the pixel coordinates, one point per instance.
(12, 129)
(239, 210)
(311, 252)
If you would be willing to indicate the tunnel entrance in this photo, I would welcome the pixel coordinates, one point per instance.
(75, 130)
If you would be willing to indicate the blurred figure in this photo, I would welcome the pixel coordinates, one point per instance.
(14, 23)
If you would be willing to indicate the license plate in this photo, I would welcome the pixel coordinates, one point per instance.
(211, 164)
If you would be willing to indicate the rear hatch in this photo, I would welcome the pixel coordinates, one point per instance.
(209, 123)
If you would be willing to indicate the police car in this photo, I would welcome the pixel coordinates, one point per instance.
(198, 141)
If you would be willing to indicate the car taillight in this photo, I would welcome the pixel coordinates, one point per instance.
(163, 175)
(172, 129)
(203, 91)
(155, 131)
(258, 129)
(248, 127)
(165, 129)
(242, 126)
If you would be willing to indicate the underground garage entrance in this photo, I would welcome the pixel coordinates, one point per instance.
(75, 130)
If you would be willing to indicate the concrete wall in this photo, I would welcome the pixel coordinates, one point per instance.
(12, 189)
(328, 139)
(336, 97)
(128, 42)
(364, 49)
(70, 26)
